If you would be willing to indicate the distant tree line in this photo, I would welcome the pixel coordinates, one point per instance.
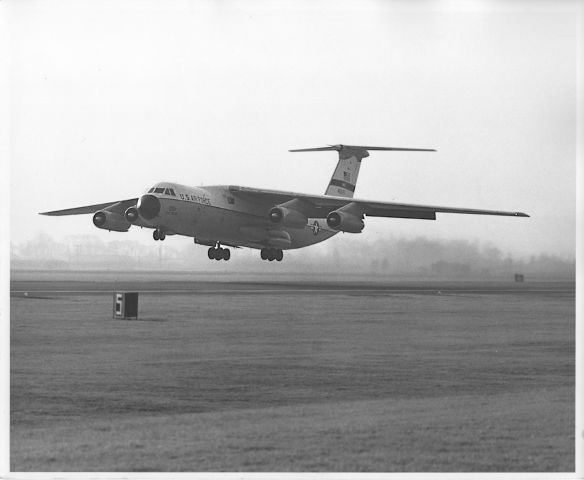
(414, 257)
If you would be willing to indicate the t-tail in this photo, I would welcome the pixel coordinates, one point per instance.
(344, 178)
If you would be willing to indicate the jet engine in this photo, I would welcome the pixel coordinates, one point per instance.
(148, 206)
(132, 215)
(345, 222)
(110, 221)
(288, 217)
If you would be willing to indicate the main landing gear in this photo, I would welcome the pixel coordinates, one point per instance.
(272, 254)
(218, 253)
(158, 235)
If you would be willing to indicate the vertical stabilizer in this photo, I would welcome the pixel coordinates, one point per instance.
(344, 177)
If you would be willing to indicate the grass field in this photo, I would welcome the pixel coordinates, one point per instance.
(298, 381)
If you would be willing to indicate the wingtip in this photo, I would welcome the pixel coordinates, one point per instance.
(521, 214)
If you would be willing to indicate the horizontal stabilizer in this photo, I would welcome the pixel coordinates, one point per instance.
(344, 177)
(338, 148)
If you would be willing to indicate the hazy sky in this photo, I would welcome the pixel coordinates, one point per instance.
(108, 98)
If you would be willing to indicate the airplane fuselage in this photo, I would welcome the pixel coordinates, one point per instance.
(214, 214)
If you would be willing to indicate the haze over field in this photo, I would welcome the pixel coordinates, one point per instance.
(339, 256)
(108, 98)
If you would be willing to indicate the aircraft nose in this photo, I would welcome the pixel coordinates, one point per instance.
(148, 206)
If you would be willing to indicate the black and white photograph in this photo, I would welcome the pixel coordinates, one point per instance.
(291, 236)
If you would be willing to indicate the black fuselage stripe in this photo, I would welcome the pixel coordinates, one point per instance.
(345, 185)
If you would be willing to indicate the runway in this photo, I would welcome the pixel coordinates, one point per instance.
(264, 374)
(254, 287)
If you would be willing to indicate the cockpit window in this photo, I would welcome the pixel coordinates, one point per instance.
(151, 190)
(172, 192)
(159, 190)
(167, 191)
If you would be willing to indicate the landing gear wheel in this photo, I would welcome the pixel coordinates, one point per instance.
(271, 254)
(264, 253)
(218, 254)
(226, 254)
(279, 255)
(156, 235)
(161, 236)
(211, 253)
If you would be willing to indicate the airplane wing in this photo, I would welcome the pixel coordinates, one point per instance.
(119, 207)
(320, 205)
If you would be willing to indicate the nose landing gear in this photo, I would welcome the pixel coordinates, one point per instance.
(272, 254)
(158, 235)
(218, 253)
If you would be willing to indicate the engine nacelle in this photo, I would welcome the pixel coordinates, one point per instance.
(110, 221)
(345, 222)
(132, 215)
(288, 217)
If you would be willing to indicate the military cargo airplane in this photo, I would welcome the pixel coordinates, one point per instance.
(268, 220)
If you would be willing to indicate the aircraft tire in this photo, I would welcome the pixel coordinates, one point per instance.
(218, 254)
(162, 236)
(226, 254)
(264, 253)
(211, 253)
(272, 254)
(156, 235)
(279, 255)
